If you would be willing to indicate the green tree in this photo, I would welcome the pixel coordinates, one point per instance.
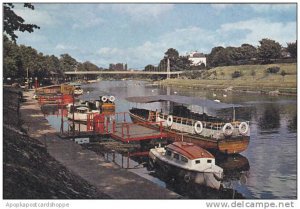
(248, 51)
(68, 63)
(283, 73)
(211, 61)
(172, 54)
(292, 49)
(150, 68)
(87, 66)
(269, 49)
(12, 22)
(253, 73)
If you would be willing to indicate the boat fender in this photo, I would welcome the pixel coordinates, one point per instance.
(187, 178)
(198, 127)
(170, 120)
(228, 129)
(112, 98)
(104, 99)
(243, 128)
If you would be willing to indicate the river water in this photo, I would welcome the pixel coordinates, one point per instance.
(266, 170)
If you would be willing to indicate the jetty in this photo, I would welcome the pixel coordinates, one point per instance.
(107, 177)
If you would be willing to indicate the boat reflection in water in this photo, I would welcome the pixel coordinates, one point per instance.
(135, 158)
(235, 168)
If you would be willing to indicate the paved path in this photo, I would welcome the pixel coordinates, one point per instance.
(109, 178)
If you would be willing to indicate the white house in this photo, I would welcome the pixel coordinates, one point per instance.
(197, 58)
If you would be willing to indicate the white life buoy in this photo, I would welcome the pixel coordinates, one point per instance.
(104, 99)
(170, 120)
(198, 127)
(243, 128)
(228, 129)
(112, 98)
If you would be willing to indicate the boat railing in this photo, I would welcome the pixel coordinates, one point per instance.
(191, 122)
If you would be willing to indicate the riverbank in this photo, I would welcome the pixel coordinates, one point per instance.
(253, 78)
(106, 179)
(29, 172)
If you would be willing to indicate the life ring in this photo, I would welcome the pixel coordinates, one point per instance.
(187, 178)
(243, 128)
(228, 129)
(104, 99)
(198, 127)
(170, 120)
(112, 98)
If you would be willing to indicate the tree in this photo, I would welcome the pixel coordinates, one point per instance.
(150, 68)
(248, 51)
(171, 54)
(87, 66)
(68, 63)
(12, 22)
(210, 58)
(269, 49)
(292, 49)
(283, 73)
(253, 73)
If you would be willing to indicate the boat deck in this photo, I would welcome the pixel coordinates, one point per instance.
(122, 131)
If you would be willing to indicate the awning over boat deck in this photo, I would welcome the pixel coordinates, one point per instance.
(182, 100)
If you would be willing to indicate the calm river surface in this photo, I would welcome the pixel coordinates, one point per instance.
(266, 170)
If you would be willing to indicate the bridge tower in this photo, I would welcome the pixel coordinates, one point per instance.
(168, 69)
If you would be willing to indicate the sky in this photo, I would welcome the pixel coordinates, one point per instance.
(140, 34)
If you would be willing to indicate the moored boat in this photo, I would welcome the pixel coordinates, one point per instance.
(188, 162)
(229, 136)
(82, 110)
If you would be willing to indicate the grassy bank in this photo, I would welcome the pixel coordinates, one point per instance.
(253, 78)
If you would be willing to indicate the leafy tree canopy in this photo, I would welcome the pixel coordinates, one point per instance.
(269, 49)
(292, 49)
(12, 22)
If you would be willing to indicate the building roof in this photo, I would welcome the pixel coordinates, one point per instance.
(196, 54)
(189, 150)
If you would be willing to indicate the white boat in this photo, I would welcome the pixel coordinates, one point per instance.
(80, 113)
(188, 162)
(78, 90)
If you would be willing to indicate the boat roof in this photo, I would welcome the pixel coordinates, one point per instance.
(190, 150)
(82, 108)
(75, 84)
(182, 100)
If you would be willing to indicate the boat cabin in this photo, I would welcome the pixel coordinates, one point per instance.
(189, 155)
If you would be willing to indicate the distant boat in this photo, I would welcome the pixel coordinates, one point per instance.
(187, 162)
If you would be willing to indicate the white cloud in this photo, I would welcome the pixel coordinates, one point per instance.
(38, 17)
(143, 12)
(196, 38)
(260, 28)
(65, 47)
(220, 7)
(275, 7)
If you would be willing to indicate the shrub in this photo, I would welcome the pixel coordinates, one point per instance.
(273, 70)
(236, 74)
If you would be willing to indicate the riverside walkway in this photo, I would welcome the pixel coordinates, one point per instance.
(107, 177)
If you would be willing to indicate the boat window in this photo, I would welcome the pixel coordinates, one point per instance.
(169, 153)
(184, 159)
(176, 156)
(209, 161)
(197, 161)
